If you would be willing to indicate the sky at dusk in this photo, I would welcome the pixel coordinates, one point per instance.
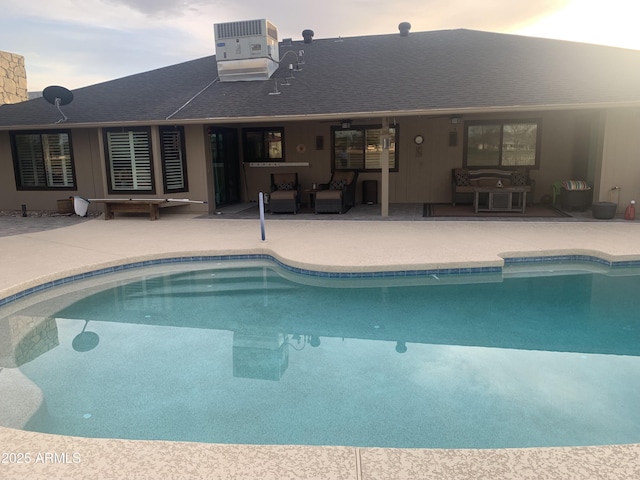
(76, 43)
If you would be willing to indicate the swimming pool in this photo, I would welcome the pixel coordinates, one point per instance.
(251, 353)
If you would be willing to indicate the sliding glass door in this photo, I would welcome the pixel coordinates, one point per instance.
(226, 165)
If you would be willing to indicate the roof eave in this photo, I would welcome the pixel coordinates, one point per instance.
(333, 116)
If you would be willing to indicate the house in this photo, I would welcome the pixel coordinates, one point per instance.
(215, 128)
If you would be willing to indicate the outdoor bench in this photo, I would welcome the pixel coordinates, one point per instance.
(464, 181)
(150, 206)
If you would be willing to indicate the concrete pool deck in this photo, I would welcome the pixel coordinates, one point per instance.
(35, 257)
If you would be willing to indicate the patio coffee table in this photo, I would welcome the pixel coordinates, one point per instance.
(500, 199)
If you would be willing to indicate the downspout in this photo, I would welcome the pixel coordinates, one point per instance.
(384, 167)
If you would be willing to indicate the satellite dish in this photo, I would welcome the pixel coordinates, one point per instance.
(57, 95)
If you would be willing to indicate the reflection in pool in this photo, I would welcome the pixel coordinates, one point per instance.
(248, 353)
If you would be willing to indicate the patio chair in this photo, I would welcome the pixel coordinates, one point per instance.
(339, 194)
(285, 193)
(575, 194)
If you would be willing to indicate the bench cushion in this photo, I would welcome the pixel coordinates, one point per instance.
(487, 177)
(575, 185)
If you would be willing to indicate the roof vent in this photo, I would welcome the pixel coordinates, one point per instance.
(245, 50)
(404, 28)
(307, 35)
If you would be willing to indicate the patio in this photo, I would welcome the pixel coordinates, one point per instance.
(403, 212)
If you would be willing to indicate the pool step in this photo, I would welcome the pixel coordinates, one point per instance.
(207, 282)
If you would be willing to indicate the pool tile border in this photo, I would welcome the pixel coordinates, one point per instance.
(569, 259)
(509, 261)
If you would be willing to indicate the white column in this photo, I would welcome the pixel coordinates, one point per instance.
(384, 165)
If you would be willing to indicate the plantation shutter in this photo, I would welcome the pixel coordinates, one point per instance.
(360, 148)
(30, 160)
(43, 160)
(130, 160)
(58, 160)
(173, 159)
(373, 148)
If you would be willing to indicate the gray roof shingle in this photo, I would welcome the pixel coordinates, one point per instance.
(426, 71)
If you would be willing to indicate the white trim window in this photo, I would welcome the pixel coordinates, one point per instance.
(129, 160)
(43, 160)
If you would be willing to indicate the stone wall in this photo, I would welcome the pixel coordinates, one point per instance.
(23, 338)
(13, 78)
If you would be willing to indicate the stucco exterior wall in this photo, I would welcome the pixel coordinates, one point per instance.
(13, 78)
(88, 165)
(199, 171)
(424, 170)
(88, 170)
(620, 164)
(298, 134)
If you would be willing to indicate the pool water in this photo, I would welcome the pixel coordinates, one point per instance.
(253, 354)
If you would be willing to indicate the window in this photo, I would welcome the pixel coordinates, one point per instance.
(263, 144)
(43, 160)
(129, 160)
(360, 148)
(502, 144)
(174, 164)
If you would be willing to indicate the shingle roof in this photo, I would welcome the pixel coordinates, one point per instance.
(426, 71)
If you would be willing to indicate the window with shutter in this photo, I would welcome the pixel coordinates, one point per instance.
(129, 160)
(174, 163)
(43, 160)
(359, 147)
(57, 157)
